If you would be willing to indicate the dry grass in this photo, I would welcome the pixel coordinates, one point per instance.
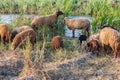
(32, 65)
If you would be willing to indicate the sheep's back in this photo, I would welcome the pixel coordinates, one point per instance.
(4, 29)
(56, 42)
(83, 23)
(109, 36)
(44, 20)
(23, 36)
(19, 29)
(78, 23)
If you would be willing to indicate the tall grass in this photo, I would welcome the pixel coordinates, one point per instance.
(41, 6)
(104, 12)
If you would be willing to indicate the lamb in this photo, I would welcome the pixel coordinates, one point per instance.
(110, 37)
(92, 45)
(82, 38)
(78, 23)
(46, 20)
(18, 30)
(21, 38)
(4, 33)
(57, 42)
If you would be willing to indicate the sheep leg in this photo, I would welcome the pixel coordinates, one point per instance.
(3, 39)
(103, 48)
(32, 42)
(115, 54)
(73, 33)
(61, 44)
(7, 38)
(80, 42)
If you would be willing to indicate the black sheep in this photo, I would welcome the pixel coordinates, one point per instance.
(82, 38)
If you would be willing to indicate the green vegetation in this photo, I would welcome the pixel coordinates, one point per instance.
(41, 6)
(103, 12)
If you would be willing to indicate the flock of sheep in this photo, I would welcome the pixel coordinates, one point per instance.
(106, 37)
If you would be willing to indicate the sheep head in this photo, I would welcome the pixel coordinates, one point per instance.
(57, 13)
(13, 34)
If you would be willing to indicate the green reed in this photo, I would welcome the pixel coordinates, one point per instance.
(73, 7)
(104, 13)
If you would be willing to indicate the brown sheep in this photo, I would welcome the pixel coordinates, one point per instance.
(110, 37)
(18, 30)
(93, 45)
(94, 36)
(57, 42)
(45, 20)
(4, 33)
(79, 23)
(21, 38)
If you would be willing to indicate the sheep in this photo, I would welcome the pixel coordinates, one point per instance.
(46, 20)
(18, 30)
(57, 42)
(82, 38)
(4, 33)
(78, 23)
(110, 37)
(94, 36)
(92, 45)
(21, 38)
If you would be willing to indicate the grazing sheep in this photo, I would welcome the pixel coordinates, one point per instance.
(110, 37)
(4, 33)
(57, 42)
(82, 38)
(46, 20)
(21, 38)
(18, 30)
(94, 36)
(73, 24)
(92, 45)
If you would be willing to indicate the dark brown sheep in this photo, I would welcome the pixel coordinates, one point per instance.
(18, 30)
(93, 45)
(57, 42)
(45, 20)
(110, 37)
(78, 23)
(4, 33)
(21, 38)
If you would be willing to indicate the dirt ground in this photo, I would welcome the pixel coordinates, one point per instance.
(86, 67)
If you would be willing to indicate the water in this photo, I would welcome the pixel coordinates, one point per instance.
(8, 19)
